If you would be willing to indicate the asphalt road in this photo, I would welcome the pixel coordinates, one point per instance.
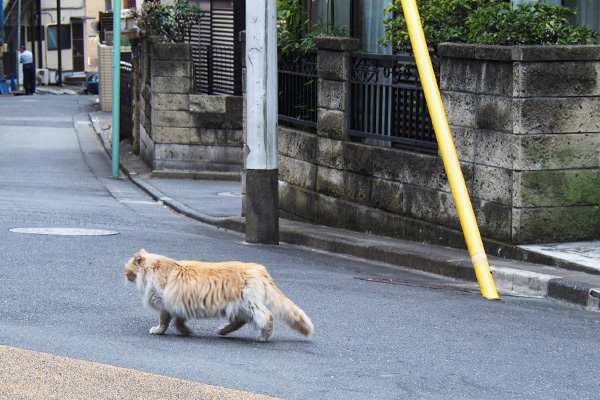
(67, 295)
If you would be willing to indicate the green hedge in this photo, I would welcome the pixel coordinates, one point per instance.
(487, 22)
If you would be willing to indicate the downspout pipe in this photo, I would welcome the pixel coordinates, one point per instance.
(1, 24)
(116, 93)
(59, 42)
(448, 151)
(19, 68)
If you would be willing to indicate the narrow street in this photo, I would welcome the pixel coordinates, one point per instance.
(66, 295)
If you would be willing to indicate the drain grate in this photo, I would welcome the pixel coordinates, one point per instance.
(466, 287)
(65, 231)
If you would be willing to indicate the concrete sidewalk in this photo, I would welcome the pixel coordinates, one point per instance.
(566, 271)
(28, 374)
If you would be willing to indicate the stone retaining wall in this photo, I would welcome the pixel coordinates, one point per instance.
(181, 131)
(526, 129)
(527, 119)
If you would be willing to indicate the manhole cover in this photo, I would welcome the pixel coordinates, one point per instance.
(64, 231)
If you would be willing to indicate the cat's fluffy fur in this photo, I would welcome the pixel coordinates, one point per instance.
(236, 291)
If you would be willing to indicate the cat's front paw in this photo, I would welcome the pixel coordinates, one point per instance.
(157, 330)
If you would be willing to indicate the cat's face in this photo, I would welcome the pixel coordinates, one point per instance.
(134, 266)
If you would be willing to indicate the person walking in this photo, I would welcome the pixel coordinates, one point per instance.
(26, 58)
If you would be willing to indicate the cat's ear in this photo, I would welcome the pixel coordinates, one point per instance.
(138, 258)
(142, 251)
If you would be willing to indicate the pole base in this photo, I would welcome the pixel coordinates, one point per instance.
(262, 206)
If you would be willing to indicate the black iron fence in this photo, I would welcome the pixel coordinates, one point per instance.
(297, 85)
(126, 118)
(219, 69)
(387, 103)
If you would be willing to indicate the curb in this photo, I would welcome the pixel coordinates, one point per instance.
(196, 175)
(174, 204)
(574, 292)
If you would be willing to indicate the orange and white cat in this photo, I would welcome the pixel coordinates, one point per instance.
(236, 291)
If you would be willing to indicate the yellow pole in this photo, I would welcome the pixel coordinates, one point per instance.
(448, 151)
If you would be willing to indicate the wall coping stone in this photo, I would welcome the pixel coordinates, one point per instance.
(337, 43)
(171, 51)
(520, 53)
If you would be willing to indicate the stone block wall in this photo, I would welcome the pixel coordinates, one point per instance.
(329, 179)
(528, 147)
(182, 131)
(526, 119)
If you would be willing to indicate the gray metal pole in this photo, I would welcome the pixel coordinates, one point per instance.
(262, 195)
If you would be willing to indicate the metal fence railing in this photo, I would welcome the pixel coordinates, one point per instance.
(297, 86)
(126, 117)
(387, 103)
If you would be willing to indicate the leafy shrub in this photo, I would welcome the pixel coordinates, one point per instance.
(295, 35)
(173, 22)
(487, 22)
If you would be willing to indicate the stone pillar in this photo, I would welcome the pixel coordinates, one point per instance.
(333, 69)
(527, 119)
(333, 95)
(169, 75)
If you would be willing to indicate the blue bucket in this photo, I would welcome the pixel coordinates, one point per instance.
(4, 87)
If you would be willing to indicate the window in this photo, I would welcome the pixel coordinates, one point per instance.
(36, 33)
(362, 18)
(65, 37)
(588, 12)
(368, 27)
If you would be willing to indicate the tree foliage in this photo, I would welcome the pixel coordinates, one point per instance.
(295, 34)
(173, 22)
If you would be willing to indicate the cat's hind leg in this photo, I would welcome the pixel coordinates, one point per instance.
(266, 330)
(164, 320)
(234, 324)
(262, 319)
(259, 314)
(181, 326)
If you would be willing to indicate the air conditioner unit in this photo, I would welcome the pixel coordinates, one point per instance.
(52, 76)
(41, 76)
(95, 27)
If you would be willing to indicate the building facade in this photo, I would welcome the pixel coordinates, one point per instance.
(39, 32)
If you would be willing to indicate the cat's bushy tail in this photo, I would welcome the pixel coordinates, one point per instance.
(288, 311)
